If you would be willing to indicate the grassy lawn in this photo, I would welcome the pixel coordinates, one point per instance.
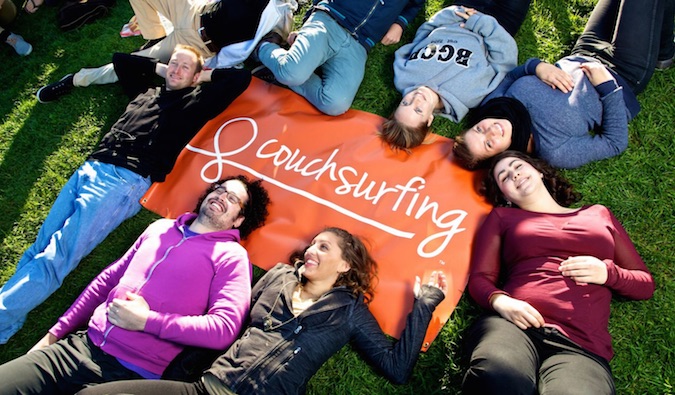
(42, 144)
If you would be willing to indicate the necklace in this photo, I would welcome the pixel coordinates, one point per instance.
(268, 324)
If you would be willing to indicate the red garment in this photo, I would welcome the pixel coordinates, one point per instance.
(530, 246)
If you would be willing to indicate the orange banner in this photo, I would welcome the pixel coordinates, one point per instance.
(418, 212)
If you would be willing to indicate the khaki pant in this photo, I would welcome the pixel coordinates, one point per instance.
(185, 17)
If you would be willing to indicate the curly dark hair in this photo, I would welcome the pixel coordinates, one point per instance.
(362, 274)
(255, 210)
(558, 186)
(403, 137)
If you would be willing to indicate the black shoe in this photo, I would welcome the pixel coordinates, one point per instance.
(664, 64)
(151, 43)
(55, 90)
(265, 74)
(77, 13)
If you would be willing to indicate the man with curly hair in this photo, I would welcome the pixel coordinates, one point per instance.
(184, 282)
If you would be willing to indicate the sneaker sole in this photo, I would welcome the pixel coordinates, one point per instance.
(38, 95)
(30, 49)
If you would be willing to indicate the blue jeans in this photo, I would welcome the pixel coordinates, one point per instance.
(94, 201)
(321, 42)
(629, 37)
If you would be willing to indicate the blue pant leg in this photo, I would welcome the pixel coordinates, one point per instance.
(310, 50)
(333, 92)
(341, 74)
(96, 199)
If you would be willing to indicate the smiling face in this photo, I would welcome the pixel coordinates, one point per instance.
(222, 208)
(181, 71)
(517, 179)
(489, 137)
(323, 259)
(417, 107)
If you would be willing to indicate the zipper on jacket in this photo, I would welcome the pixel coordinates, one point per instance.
(147, 278)
(370, 13)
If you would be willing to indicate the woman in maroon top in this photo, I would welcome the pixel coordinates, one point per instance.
(548, 271)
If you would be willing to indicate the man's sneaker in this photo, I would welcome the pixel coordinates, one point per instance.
(55, 90)
(19, 44)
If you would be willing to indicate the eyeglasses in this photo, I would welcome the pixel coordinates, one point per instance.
(231, 197)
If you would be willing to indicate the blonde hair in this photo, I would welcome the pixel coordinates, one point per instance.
(400, 136)
(200, 58)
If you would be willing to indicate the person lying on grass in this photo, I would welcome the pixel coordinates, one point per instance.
(577, 110)
(457, 57)
(546, 272)
(301, 315)
(184, 282)
(140, 148)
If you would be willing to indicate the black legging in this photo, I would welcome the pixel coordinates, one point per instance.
(629, 37)
(509, 13)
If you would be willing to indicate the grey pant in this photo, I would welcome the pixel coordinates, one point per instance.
(65, 367)
(504, 359)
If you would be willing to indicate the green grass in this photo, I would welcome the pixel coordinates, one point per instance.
(42, 144)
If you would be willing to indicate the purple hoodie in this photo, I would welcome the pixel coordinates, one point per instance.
(198, 288)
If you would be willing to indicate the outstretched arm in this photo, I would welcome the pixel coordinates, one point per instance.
(396, 361)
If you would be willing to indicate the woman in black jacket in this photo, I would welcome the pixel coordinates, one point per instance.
(300, 316)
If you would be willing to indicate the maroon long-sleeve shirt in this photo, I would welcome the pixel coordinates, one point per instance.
(518, 252)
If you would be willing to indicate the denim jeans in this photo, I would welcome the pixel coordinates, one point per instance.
(628, 36)
(321, 42)
(94, 201)
(504, 360)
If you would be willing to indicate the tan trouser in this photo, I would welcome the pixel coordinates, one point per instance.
(183, 14)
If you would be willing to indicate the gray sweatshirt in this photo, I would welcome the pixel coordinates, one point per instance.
(461, 64)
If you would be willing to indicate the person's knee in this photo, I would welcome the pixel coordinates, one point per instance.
(494, 372)
(290, 76)
(332, 106)
(497, 374)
